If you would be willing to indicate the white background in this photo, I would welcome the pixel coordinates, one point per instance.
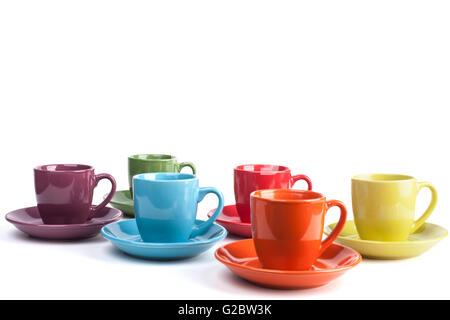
(328, 88)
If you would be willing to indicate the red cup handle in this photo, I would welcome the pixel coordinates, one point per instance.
(340, 225)
(98, 177)
(294, 179)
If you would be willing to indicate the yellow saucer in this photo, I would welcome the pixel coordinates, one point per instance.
(419, 242)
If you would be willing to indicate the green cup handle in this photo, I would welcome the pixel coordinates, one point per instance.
(434, 197)
(187, 164)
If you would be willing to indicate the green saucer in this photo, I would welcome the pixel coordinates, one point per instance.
(123, 201)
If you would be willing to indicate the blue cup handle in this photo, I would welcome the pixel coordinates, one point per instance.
(201, 228)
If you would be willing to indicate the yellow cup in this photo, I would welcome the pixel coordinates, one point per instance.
(384, 206)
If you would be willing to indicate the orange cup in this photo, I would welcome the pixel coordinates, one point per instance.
(287, 227)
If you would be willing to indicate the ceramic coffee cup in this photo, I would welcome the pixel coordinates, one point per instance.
(287, 227)
(165, 206)
(147, 163)
(64, 192)
(384, 206)
(252, 177)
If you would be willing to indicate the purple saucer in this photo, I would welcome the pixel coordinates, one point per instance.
(29, 221)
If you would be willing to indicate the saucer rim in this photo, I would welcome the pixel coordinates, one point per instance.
(116, 218)
(327, 230)
(116, 202)
(222, 236)
(287, 272)
(228, 221)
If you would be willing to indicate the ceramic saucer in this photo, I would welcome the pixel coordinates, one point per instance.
(240, 257)
(29, 221)
(124, 235)
(426, 237)
(123, 201)
(230, 220)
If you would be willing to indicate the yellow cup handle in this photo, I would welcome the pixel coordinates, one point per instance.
(434, 197)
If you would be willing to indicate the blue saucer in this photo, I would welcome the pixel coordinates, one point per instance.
(124, 235)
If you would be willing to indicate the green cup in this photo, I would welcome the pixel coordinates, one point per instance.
(147, 163)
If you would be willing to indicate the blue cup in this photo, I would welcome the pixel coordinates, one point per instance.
(165, 205)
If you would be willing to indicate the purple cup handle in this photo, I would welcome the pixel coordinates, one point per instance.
(98, 177)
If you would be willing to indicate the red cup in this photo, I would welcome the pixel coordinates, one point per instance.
(252, 177)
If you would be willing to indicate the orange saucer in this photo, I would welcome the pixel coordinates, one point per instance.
(229, 219)
(240, 257)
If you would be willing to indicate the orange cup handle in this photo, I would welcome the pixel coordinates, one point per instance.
(340, 225)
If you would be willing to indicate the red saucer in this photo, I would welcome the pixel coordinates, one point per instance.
(229, 219)
(240, 257)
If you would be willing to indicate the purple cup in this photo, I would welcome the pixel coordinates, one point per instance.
(64, 192)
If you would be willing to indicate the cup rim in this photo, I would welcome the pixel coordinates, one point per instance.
(151, 177)
(241, 168)
(45, 168)
(136, 157)
(396, 178)
(258, 194)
